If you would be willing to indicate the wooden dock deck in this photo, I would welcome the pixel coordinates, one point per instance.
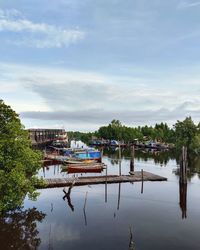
(93, 180)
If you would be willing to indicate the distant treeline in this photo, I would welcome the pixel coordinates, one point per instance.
(183, 133)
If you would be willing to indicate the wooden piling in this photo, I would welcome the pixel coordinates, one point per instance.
(132, 159)
(183, 166)
(120, 156)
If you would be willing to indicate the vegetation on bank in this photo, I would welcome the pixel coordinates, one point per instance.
(183, 133)
(18, 162)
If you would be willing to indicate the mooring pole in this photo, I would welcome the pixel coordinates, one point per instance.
(120, 156)
(183, 165)
(132, 158)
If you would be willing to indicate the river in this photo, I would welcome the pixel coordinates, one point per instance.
(164, 216)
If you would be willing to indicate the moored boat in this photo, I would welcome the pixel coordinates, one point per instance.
(79, 161)
(89, 155)
(91, 168)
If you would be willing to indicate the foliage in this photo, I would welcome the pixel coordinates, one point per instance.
(18, 162)
(115, 130)
(183, 133)
(186, 134)
(195, 145)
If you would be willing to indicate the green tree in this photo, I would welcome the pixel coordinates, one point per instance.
(18, 162)
(185, 132)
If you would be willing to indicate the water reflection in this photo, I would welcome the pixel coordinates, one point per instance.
(131, 242)
(67, 195)
(159, 157)
(183, 199)
(18, 230)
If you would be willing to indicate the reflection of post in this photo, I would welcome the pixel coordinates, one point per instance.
(120, 167)
(131, 242)
(84, 212)
(43, 171)
(132, 159)
(106, 184)
(67, 195)
(183, 199)
(142, 181)
(119, 195)
(183, 183)
(120, 156)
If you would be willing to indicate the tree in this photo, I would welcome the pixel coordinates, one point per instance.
(185, 132)
(18, 162)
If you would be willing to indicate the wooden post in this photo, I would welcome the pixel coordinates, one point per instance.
(132, 159)
(142, 181)
(120, 156)
(183, 166)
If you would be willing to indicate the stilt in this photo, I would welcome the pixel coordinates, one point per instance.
(183, 166)
(120, 156)
(132, 159)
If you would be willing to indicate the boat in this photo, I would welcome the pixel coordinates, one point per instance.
(79, 161)
(91, 168)
(89, 154)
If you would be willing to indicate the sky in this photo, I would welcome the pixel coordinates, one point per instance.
(78, 64)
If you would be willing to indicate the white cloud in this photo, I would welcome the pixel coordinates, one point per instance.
(188, 4)
(39, 35)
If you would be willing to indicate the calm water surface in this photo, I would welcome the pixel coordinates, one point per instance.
(165, 216)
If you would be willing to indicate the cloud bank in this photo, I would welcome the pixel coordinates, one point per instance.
(133, 117)
(59, 96)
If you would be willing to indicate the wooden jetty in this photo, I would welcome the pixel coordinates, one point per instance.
(93, 180)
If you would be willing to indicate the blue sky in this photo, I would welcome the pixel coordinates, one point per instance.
(79, 64)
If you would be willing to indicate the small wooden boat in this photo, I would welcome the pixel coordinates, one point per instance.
(84, 169)
(83, 165)
(79, 161)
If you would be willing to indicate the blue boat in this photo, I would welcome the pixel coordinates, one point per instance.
(89, 155)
